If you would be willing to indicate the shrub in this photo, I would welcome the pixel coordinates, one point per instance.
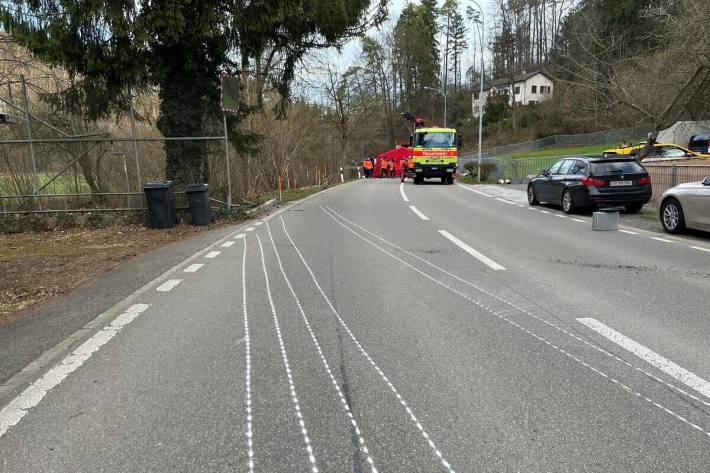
(487, 168)
(95, 220)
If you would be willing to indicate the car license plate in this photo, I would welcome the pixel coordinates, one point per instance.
(434, 168)
(620, 183)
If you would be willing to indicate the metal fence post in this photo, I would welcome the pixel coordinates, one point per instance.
(128, 185)
(674, 175)
(29, 140)
(226, 159)
(133, 136)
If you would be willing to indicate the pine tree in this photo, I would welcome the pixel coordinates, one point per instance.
(180, 46)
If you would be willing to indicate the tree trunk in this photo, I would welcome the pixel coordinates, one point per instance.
(182, 114)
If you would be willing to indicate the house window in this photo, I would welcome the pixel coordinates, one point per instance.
(475, 95)
(517, 90)
(534, 89)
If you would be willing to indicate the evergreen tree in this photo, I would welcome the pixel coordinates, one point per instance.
(180, 46)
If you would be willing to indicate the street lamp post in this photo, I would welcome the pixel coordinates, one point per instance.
(442, 92)
(480, 94)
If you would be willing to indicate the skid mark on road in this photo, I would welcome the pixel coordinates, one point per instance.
(389, 384)
(521, 309)
(343, 401)
(284, 357)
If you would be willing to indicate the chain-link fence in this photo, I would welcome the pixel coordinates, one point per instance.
(586, 139)
(52, 160)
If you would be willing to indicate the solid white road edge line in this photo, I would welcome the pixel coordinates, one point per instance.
(547, 342)
(384, 377)
(667, 366)
(473, 190)
(343, 400)
(401, 191)
(287, 366)
(11, 414)
(168, 285)
(193, 267)
(213, 254)
(419, 214)
(479, 256)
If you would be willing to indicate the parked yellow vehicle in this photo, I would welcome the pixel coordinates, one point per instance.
(660, 152)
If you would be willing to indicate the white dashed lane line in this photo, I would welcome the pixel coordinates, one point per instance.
(168, 285)
(256, 224)
(401, 191)
(11, 414)
(544, 212)
(213, 254)
(560, 216)
(580, 220)
(227, 244)
(249, 229)
(506, 201)
(419, 214)
(193, 267)
(473, 190)
(667, 366)
(662, 239)
(547, 342)
(479, 256)
(239, 236)
(701, 248)
(628, 231)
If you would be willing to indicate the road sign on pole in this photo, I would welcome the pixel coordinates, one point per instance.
(229, 94)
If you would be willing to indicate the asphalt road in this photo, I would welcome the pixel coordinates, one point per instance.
(379, 327)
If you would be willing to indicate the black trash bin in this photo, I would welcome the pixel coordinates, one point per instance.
(161, 205)
(199, 198)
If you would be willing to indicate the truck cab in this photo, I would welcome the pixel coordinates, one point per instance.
(435, 153)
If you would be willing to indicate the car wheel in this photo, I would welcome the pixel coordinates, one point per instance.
(672, 217)
(450, 180)
(633, 208)
(568, 206)
(532, 197)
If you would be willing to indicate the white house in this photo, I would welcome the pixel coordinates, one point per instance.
(526, 88)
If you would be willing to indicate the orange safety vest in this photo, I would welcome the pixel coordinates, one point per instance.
(367, 164)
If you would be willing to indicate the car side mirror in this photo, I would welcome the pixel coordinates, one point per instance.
(544, 172)
(706, 181)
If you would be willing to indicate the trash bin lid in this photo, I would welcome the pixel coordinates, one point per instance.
(196, 187)
(158, 185)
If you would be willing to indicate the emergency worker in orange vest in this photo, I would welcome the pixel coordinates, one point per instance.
(384, 168)
(367, 166)
(408, 168)
(390, 168)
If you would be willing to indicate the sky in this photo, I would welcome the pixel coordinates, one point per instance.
(310, 82)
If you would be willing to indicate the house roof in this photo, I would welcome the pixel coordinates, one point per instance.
(523, 76)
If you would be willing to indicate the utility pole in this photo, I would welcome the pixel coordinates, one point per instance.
(480, 94)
